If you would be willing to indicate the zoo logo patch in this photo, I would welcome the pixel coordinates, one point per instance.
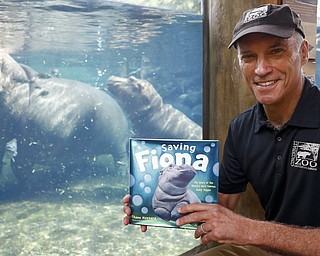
(256, 13)
(305, 155)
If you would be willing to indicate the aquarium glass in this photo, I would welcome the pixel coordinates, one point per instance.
(64, 133)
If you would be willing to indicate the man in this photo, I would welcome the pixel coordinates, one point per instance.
(274, 145)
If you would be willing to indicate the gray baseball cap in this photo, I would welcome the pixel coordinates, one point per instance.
(277, 20)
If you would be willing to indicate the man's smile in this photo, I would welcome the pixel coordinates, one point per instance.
(266, 84)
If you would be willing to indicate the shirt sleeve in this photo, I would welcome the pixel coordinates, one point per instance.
(232, 179)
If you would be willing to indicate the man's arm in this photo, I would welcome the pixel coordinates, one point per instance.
(286, 239)
(277, 237)
(229, 201)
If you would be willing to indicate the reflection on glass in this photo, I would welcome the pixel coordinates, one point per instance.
(65, 123)
(190, 6)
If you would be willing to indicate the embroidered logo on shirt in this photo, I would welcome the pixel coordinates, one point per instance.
(256, 13)
(305, 155)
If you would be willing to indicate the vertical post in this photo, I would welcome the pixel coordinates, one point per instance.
(225, 93)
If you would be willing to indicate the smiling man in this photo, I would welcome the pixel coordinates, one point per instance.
(273, 145)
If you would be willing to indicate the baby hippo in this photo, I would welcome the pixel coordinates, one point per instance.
(172, 192)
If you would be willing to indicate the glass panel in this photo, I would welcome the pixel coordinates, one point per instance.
(65, 123)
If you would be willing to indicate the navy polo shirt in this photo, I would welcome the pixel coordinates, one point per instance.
(282, 166)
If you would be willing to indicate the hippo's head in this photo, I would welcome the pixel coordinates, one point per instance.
(177, 176)
(133, 88)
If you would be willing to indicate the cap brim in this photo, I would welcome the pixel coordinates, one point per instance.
(274, 30)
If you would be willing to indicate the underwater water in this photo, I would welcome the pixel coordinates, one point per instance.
(55, 210)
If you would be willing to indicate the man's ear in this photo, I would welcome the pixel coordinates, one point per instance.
(304, 51)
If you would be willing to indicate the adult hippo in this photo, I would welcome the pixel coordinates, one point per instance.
(56, 122)
(147, 112)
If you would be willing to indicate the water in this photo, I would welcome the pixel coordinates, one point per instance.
(91, 40)
(80, 213)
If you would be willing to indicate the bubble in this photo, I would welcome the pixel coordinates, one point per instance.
(141, 184)
(144, 210)
(147, 178)
(134, 143)
(132, 180)
(137, 200)
(209, 199)
(213, 144)
(207, 149)
(147, 190)
(215, 169)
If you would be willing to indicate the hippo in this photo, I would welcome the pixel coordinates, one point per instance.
(57, 122)
(172, 191)
(148, 114)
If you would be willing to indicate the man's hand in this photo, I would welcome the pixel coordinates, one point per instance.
(127, 211)
(218, 223)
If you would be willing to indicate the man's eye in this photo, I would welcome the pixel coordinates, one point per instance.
(276, 51)
(247, 57)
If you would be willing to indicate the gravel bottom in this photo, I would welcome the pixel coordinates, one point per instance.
(77, 223)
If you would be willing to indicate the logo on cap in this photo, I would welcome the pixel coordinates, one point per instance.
(256, 13)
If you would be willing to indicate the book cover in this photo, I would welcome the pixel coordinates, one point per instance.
(167, 174)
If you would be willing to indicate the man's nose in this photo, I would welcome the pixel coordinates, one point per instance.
(263, 67)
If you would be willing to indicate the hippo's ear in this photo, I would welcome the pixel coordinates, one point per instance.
(132, 79)
(136, 85)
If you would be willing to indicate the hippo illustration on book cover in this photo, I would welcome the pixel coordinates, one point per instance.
(172, 191)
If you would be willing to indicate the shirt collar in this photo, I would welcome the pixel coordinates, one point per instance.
(261, 118)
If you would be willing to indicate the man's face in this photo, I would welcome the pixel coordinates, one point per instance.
(271, 67)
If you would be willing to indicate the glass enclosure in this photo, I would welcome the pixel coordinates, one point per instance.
(74, 76)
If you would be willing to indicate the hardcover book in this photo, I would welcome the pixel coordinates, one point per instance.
(167, 174)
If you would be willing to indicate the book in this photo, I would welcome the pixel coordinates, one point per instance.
(167, 174)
